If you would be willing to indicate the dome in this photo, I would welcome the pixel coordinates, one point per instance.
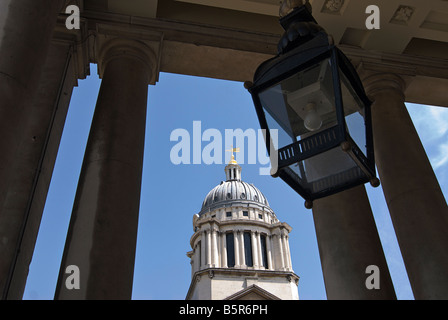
(233, 190)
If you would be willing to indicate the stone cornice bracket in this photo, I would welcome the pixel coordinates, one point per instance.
(375, 83)
(119, 48)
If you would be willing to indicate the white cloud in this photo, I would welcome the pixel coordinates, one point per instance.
(442, 157)
(431, 122)
(440, 119)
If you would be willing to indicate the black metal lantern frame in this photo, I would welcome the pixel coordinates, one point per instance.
(324, 146)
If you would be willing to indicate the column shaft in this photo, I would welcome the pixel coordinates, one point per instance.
(236, 248)
(285, 252)
(223, 250)
(416, 203)
(215, 249)
(348, 243)
(209, 248)
(254, 249)
(26, 29)
(259, 254)
(203, 246)
(242, 249)
(281, 257)
(288, 253)
(269, 252)
(102, 234)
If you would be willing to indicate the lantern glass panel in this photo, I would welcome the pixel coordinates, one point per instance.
(354, 114)
(327, 170)
(301, 105)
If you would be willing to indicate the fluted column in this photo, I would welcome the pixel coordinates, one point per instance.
(348, 243)
(26, 29)
(416, 203)
(102, 233)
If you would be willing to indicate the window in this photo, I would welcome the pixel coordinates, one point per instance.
(245, 213)
(260, 216)
(264, 256)
(230, 250)
(248, 249)
(229, 214)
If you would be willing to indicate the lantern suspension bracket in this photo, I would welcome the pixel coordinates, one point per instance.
(300, 27)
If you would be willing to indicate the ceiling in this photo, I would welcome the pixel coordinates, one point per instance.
(406, 26)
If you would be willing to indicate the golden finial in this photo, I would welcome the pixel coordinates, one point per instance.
(232, 149)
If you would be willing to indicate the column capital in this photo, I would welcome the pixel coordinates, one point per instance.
(124, 48)
(377, 82)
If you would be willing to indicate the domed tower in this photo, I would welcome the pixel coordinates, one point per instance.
(240, 248)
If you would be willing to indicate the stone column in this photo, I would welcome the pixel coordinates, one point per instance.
(348, 243)
(288, 252)
(223, 250)
(209, 248)
(236, 246)
(285, 252)
(259, 254)
(255, 249)
(242, 250)
(203, 254)
(269, 252)
(35, 159)
(215, 260)
(26, 29)
(416, 203)
(281, 257)
(102, 233)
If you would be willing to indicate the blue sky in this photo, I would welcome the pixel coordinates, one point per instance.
(172, 194)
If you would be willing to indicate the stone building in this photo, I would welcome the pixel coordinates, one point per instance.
(240, 248)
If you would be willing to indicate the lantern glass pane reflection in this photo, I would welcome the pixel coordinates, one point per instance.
(301, 104)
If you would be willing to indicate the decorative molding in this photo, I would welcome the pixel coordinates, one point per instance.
(334, 6)
(117, 48)
(403, 15)
(378, 82)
